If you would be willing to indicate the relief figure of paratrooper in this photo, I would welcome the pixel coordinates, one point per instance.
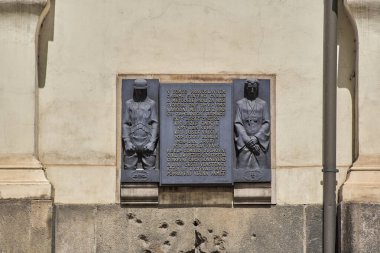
(252, 129)
(140, 129)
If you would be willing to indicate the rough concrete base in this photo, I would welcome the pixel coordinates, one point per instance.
(25, 226)
(359, 227)
(113, 228)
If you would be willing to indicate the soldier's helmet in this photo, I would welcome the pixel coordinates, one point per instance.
(140, 84)
(253, 82)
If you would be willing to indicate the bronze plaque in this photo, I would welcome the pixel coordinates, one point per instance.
(196, 134)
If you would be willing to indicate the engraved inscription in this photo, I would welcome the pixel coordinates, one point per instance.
(139, 175)
(196, 114)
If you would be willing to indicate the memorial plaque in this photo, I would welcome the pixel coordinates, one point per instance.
(196, 134)
(140, 131)
(252, 124)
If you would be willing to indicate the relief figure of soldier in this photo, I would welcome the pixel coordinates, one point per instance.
(140, 129)
(252, 129)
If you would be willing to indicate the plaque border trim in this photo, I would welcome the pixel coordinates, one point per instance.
(197, 78)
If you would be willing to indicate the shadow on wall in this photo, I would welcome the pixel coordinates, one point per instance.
(347, 70)
(46, 35)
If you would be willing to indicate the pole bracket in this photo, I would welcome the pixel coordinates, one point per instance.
(330, 170)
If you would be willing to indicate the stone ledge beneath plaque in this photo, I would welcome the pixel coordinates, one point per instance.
(252, 193)
(139, 194)
(201, 196)
(196, 196)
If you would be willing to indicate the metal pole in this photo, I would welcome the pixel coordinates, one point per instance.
(329, 125)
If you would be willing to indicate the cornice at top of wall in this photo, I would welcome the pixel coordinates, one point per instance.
(26, 2)
(29, 6)
(358, 4)
(360, 9)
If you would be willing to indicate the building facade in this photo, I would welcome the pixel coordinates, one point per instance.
(61, 67)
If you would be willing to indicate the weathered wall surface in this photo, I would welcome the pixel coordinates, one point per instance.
(26, 226)
(111, 228)
(359, 227)
(87, 47)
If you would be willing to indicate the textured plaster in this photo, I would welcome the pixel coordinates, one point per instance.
(26, 226)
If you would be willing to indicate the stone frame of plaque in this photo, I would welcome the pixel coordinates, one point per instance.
(139, 174)
(245, 189)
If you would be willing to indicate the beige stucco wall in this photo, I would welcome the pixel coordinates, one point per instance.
(363, 184)
(90, 42)
(17, 82)
(21, 174)
(366, 17)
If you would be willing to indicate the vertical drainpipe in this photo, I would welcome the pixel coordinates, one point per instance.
(329, 124)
